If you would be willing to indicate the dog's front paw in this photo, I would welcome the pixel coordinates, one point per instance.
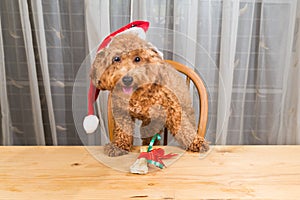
(113, 151)
(199, 145)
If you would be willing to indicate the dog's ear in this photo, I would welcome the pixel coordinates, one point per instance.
(155, 73)
(98, 67)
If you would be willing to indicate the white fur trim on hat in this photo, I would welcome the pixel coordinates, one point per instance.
(135, 30)
(90, 123)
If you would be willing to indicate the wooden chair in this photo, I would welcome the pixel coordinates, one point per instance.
(203, 99)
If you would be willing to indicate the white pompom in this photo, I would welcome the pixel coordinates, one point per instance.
(90, 123)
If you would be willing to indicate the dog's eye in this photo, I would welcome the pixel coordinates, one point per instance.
(116, 59)
(137, 59)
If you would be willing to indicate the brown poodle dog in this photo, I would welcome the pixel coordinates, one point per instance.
(144, 87)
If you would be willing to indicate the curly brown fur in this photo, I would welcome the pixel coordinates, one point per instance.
(157, 95)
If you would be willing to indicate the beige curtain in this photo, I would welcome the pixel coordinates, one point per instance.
(5, 114)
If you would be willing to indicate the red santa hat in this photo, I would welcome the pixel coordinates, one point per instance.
(91, 121)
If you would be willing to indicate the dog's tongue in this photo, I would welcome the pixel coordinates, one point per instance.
(127, 90)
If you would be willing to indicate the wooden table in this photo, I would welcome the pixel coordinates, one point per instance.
(250, 172)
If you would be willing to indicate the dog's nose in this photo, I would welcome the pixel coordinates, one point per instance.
(127, 80)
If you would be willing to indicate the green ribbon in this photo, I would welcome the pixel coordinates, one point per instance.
(157, 164)
(156, 136)
(155, 156)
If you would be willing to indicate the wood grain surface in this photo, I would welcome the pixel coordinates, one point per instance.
(227, 172)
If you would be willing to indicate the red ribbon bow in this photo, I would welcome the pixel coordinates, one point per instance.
(155, 157)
